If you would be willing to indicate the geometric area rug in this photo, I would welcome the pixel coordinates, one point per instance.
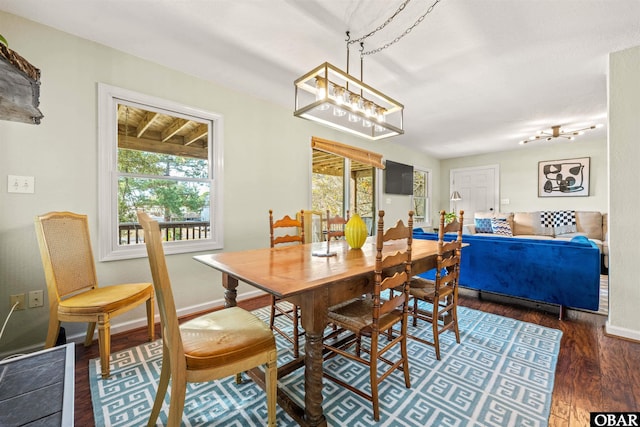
(501, 374)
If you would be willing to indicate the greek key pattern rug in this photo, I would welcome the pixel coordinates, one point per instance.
(501, 374)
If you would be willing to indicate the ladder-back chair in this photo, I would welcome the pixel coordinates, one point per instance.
(441, 293)
(279, 230)
(374, 315)
(335, 225)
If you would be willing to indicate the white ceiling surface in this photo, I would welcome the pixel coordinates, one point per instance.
(476, 76)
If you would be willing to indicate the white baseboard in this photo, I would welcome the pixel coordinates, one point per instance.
(119, 327)
(617, 331)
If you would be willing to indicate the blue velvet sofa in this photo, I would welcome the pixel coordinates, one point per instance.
(566, 273)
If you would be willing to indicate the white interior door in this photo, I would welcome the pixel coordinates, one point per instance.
(479, 188)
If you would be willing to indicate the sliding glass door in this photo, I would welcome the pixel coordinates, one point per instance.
(339, 184)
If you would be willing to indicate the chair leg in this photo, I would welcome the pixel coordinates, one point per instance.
(296, 338)
(405, 355)
(104, 342)
(165, 376)
(91, 327)
(434, 326)
(53, 331)
(176, 403)
(271, 383)
(295, 319)
(373, 377)
(454, 317)
(151, 324)
(272, 317)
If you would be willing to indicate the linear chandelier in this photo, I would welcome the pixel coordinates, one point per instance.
(336, 99)
(558, 132)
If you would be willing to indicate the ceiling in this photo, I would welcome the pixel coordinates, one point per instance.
(144, 130)
(475, 76)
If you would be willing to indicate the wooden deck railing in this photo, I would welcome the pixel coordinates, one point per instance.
(131, 233)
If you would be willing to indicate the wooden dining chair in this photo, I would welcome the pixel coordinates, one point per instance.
(374, 315)
(441, 293)
(335, 225)
(72, 283)
(212, 346)
(279, 235)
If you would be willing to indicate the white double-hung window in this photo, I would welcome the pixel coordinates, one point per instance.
(165, 159)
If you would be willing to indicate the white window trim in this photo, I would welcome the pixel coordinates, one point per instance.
(109, 249)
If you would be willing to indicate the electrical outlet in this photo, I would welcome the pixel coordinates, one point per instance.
(19, 298)
(21, 184)
(35, 299)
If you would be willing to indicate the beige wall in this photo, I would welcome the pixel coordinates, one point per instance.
(624, 154)
(61, 153)
(519, 175)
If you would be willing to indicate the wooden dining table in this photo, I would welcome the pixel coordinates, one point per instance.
(314, 283)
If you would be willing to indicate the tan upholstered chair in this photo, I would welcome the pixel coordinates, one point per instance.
(279, 235)
(372, 316)
(72, 284)
(212, 346)
(441, 293)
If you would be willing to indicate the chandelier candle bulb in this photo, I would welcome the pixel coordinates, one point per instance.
(339, 112)
(321, 94)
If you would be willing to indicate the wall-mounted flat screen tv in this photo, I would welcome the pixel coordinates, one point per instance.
(398, 178)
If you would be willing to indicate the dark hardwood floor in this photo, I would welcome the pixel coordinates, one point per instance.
(594, 372)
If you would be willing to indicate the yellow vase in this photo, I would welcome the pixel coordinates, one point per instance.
(355, 231)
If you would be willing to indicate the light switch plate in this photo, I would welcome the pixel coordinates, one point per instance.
(21, 184)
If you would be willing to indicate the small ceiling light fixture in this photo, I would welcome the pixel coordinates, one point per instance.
(558, 132)
(336, 99)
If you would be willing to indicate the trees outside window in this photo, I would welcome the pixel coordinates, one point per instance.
(169, 198)
(327, 183)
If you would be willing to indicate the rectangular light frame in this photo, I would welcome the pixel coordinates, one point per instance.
(315, 100)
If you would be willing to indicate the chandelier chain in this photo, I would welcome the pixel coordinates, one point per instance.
(407, 31)
(380, 27)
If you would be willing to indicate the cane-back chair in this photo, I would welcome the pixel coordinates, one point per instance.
(213, 346)
(72, 283)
